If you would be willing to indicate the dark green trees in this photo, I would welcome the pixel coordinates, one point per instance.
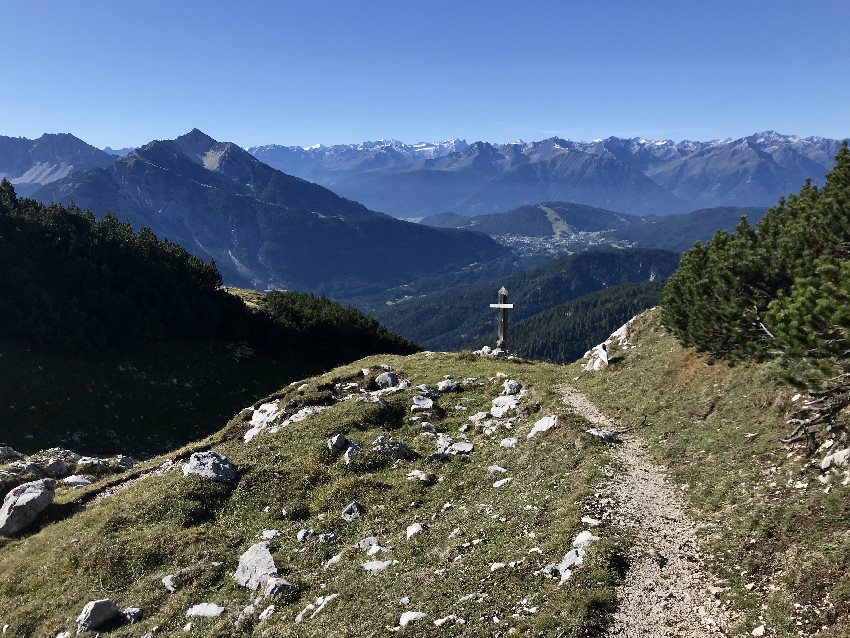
(782, 287)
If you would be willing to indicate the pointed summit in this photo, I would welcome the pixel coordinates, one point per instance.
(195, 143)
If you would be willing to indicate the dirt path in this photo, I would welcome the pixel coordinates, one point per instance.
(667, 591)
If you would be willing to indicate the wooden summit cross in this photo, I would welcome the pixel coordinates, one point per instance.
(503, 307)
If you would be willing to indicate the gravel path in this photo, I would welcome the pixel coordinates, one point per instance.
(667, 591)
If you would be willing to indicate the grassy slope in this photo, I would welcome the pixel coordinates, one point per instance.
(793, 543)
(120, 547)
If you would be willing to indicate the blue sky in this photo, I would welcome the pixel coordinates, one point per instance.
(122, 73)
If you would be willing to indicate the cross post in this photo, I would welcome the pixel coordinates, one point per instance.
(503, 307)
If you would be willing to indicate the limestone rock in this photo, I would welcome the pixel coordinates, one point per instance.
(461, 447)
(350, 451)
(24, 503)
(422, 403)
(133, 614)
(509, 442)
(276, 587)
(124, 462)
(395, 449)
(542, 425)
(210, 465)
(78, 480)
(386, 380)
(375, 567)
(414, 529)
(409, 617)
(205, 610)
(447, 385)
(256, 565)
(170, 583)
(836, 459)
(8, 454)
(504, 404)
(337, 444)
(510, 387)
(419, 475)
(352, 511)
(96, 614)
(599, 433)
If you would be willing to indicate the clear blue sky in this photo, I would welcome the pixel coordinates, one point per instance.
(121, 73)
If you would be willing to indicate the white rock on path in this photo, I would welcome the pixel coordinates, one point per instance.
(599, 433)
(542, 425)
(256, 565)
(205, 610)
(210, 465)
(23, 504)
(96, 614)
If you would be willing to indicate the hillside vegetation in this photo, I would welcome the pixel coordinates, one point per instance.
(460, 317)
(159, 351)
(493, 516)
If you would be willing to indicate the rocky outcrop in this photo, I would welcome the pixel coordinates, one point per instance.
(210, 465)
(23, 505)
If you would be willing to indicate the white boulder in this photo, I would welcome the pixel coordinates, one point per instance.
(96, 614)
(210, 465)
(256, 566)
(23, 504)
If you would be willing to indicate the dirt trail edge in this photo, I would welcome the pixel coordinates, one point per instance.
(667, 591)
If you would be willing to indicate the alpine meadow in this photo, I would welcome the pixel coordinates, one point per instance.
(353, 320)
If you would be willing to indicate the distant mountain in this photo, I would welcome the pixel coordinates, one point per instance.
(639, 176)
(263, 227)
(549, 219)
(557, 227)
(459, 317)
(680, 232)
(29, 164)
(120, 152)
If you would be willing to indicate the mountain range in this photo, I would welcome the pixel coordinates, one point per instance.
(29, 164)
(634, 175)
(262, 227)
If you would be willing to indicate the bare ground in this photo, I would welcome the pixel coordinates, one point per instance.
(667, 588)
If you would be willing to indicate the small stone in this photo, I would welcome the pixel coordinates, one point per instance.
(367, 543)
(502, 482)
(255, 566)
(96, 614)
(386, 380)
(414, 529)
(337, 444)
(268, 534)
(305, 535)
(205, 610)
(350, 451)
(758, 631)
(78, 480)
(170, 583)
(266, 613)
(133, 614)
(496, 469)
(421, 404)
(461, 447)
(352, 511)
(590, 521)
(409, 617)
(124, 462)
(210, 465)
(447, 385)
(508, 442)
(605, 435)
(375, 567)
(510, 387)
(419, 475)
(542, 425)
(328, 537)
(502, 405)
(276, 587)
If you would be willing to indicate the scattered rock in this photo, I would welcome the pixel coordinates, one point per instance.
(375, 567)
(8, 454)
(337, 444)
(447, 385)
(268, 534)
(266, 613)
(419, 475)
(508, 442)
(23, 504)
(605, 435)
(315, 608)
(261, 418)
(414, 529)
(542, 425)
(758, 631)
(409, 617)
(502, 482)
(422, 404)
(395, 449)
(305, 535)
(205, 610)
(461, 447)
(256, 565)
(78, 480)
(124, 462)
(133, 614)
(504, 404)
(836, 459)
(96, 614)
(386, 380)
(276, 587)
(350, 451)
(495, 469)
(510, 387)
(352, 511)
(170, 583)
(328, 537)
(210, 465)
